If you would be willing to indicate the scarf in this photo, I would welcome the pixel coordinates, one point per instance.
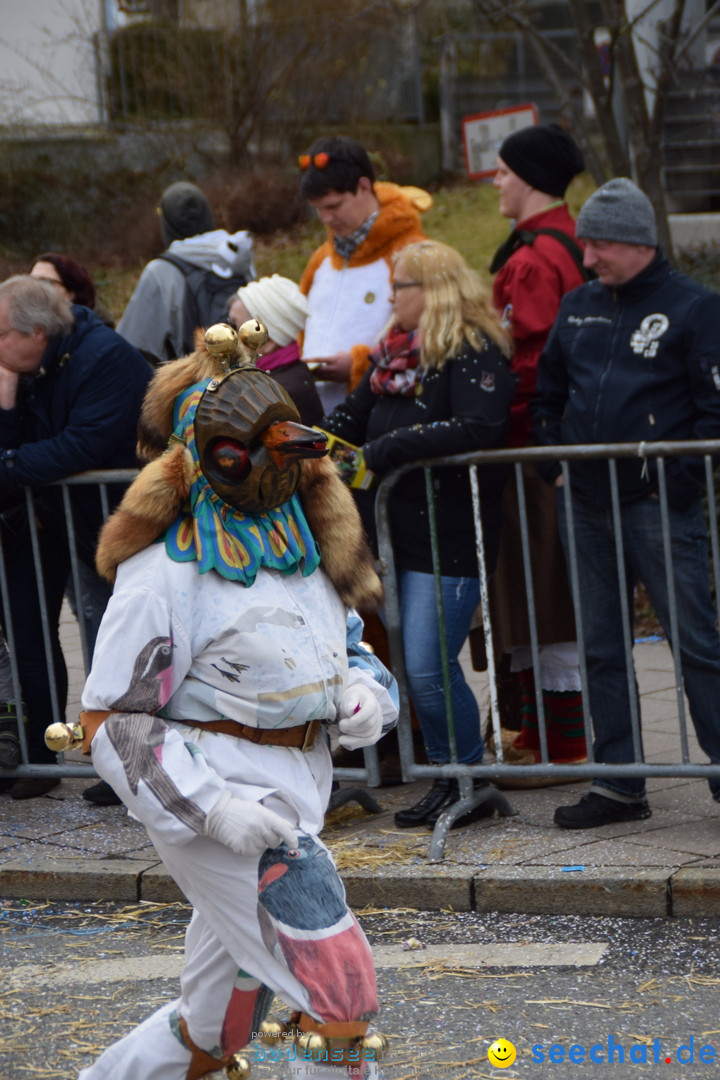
(221, 538)
(279, 358)
(346, 245)
(396, 364)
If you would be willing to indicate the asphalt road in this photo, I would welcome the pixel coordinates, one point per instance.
(563, 991)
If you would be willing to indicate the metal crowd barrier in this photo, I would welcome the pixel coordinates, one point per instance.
(499, 769)
(368, 775)
(102, 479)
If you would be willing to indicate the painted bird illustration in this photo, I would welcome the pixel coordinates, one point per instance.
(302, 908)
(138, 742)
(151, 679)
(272, 616)
(234, 675)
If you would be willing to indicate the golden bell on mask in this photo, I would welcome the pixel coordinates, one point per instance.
(271, 1031)
(252, 335)
(221, 342)
(238, 1068)
(313, 1045)
(374, 1046)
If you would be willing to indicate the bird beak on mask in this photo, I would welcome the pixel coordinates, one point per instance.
(249, 441)
(286, 441)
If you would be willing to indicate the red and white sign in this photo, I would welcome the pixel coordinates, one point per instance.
(484, 132)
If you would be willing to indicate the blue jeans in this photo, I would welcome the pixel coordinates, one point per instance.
(421, 641)
(699, 642)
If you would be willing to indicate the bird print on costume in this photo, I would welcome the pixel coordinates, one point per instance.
(150, 682)
(138, 736)
(234, 675)
(302, 910)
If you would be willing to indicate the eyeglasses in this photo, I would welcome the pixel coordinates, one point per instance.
(320, 161)
(395, 285)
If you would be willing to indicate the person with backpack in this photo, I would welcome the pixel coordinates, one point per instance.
(538, 263)
(192, 283)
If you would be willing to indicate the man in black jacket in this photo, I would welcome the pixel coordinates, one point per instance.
(632, 357)
(70, 397)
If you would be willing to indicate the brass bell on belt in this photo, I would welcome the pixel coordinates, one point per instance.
(238, 1068)
(59, 737)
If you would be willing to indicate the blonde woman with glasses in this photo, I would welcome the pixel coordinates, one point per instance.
(439, 384)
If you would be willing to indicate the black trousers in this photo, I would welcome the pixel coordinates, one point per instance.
(25, 614)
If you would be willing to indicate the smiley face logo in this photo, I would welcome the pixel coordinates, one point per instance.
(501, 1054)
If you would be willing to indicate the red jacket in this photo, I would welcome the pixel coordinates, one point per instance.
(527, 292)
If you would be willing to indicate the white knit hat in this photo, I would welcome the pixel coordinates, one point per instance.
(277, 302)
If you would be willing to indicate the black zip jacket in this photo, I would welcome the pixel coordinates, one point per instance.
(639, 362)
(463, 407)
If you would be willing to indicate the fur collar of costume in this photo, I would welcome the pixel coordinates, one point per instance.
(155, 499)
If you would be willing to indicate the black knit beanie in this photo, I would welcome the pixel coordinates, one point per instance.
(184, 211)
(545, 156)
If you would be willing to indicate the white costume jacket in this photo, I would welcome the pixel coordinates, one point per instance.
(187, 646)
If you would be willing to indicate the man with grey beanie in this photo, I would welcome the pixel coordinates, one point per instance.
(634, 356)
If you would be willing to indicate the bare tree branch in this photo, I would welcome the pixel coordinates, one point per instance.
(496, 11)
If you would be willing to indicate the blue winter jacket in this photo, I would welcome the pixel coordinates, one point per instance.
(78, 411)
(638, 362)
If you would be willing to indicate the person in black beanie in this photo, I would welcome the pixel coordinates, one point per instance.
(535, 267)
(545, 156)
(184, 211)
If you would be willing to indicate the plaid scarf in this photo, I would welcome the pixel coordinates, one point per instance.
(345, 245)
(396, 364)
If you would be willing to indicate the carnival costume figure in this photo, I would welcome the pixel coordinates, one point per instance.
(230, 654)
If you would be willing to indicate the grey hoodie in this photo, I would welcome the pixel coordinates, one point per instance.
(153, 319)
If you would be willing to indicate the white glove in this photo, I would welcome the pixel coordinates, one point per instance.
(361, 717)
(247, 828)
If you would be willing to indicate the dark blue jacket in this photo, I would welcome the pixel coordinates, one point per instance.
(78, 411)
(639, 362)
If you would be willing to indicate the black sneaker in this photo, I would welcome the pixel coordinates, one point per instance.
(9, 741)
(594, 810)
(102, 794)
(444, 792)
(483, 810)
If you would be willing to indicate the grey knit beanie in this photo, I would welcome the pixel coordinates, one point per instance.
(618, 210)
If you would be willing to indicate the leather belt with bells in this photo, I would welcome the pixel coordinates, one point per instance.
(301, 736)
